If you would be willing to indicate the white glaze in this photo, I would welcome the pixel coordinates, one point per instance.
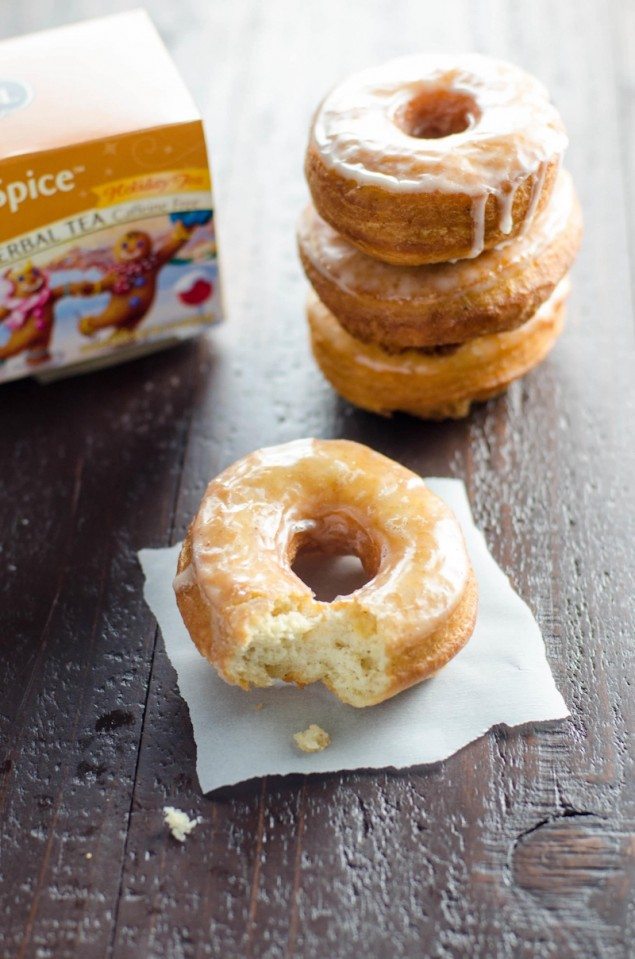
(506, 201)
(357, 274)
(478, 226)
(536, 190)
(516, 134)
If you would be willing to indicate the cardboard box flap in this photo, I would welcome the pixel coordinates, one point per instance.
(100, 78)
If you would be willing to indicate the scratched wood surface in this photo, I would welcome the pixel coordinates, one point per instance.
(519, 847)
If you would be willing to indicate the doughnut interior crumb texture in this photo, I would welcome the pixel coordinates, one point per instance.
(179, 823)
(348, 658)
(313, 740)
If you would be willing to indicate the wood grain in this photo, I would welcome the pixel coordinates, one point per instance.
(519, 847)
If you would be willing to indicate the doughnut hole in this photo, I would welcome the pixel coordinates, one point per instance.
(334, 556)
(437, 112)
(328, 575)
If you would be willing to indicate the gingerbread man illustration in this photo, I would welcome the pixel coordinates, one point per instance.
(29, 312)
(132, 279)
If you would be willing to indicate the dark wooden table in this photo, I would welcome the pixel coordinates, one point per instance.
(519, 846)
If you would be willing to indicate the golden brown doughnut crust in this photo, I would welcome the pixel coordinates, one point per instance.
(410, 229)
(432, 386)
(450, 305)
(192, 605)
(412, 664)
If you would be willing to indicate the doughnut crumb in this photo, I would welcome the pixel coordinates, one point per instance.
(313, 739)
(179, 823)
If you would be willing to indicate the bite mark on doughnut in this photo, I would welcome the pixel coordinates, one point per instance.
(345, 653)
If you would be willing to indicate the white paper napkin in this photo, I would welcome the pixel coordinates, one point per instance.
(500, 677)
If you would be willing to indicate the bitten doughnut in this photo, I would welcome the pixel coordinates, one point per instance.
(434, 157)
(434, 384)
(401, 307)
(257, 622)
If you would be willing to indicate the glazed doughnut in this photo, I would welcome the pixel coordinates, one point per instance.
(434, 157)
(257, 622)
(401, 307)
(435, 384)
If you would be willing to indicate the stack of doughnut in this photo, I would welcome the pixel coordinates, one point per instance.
(441, 233)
